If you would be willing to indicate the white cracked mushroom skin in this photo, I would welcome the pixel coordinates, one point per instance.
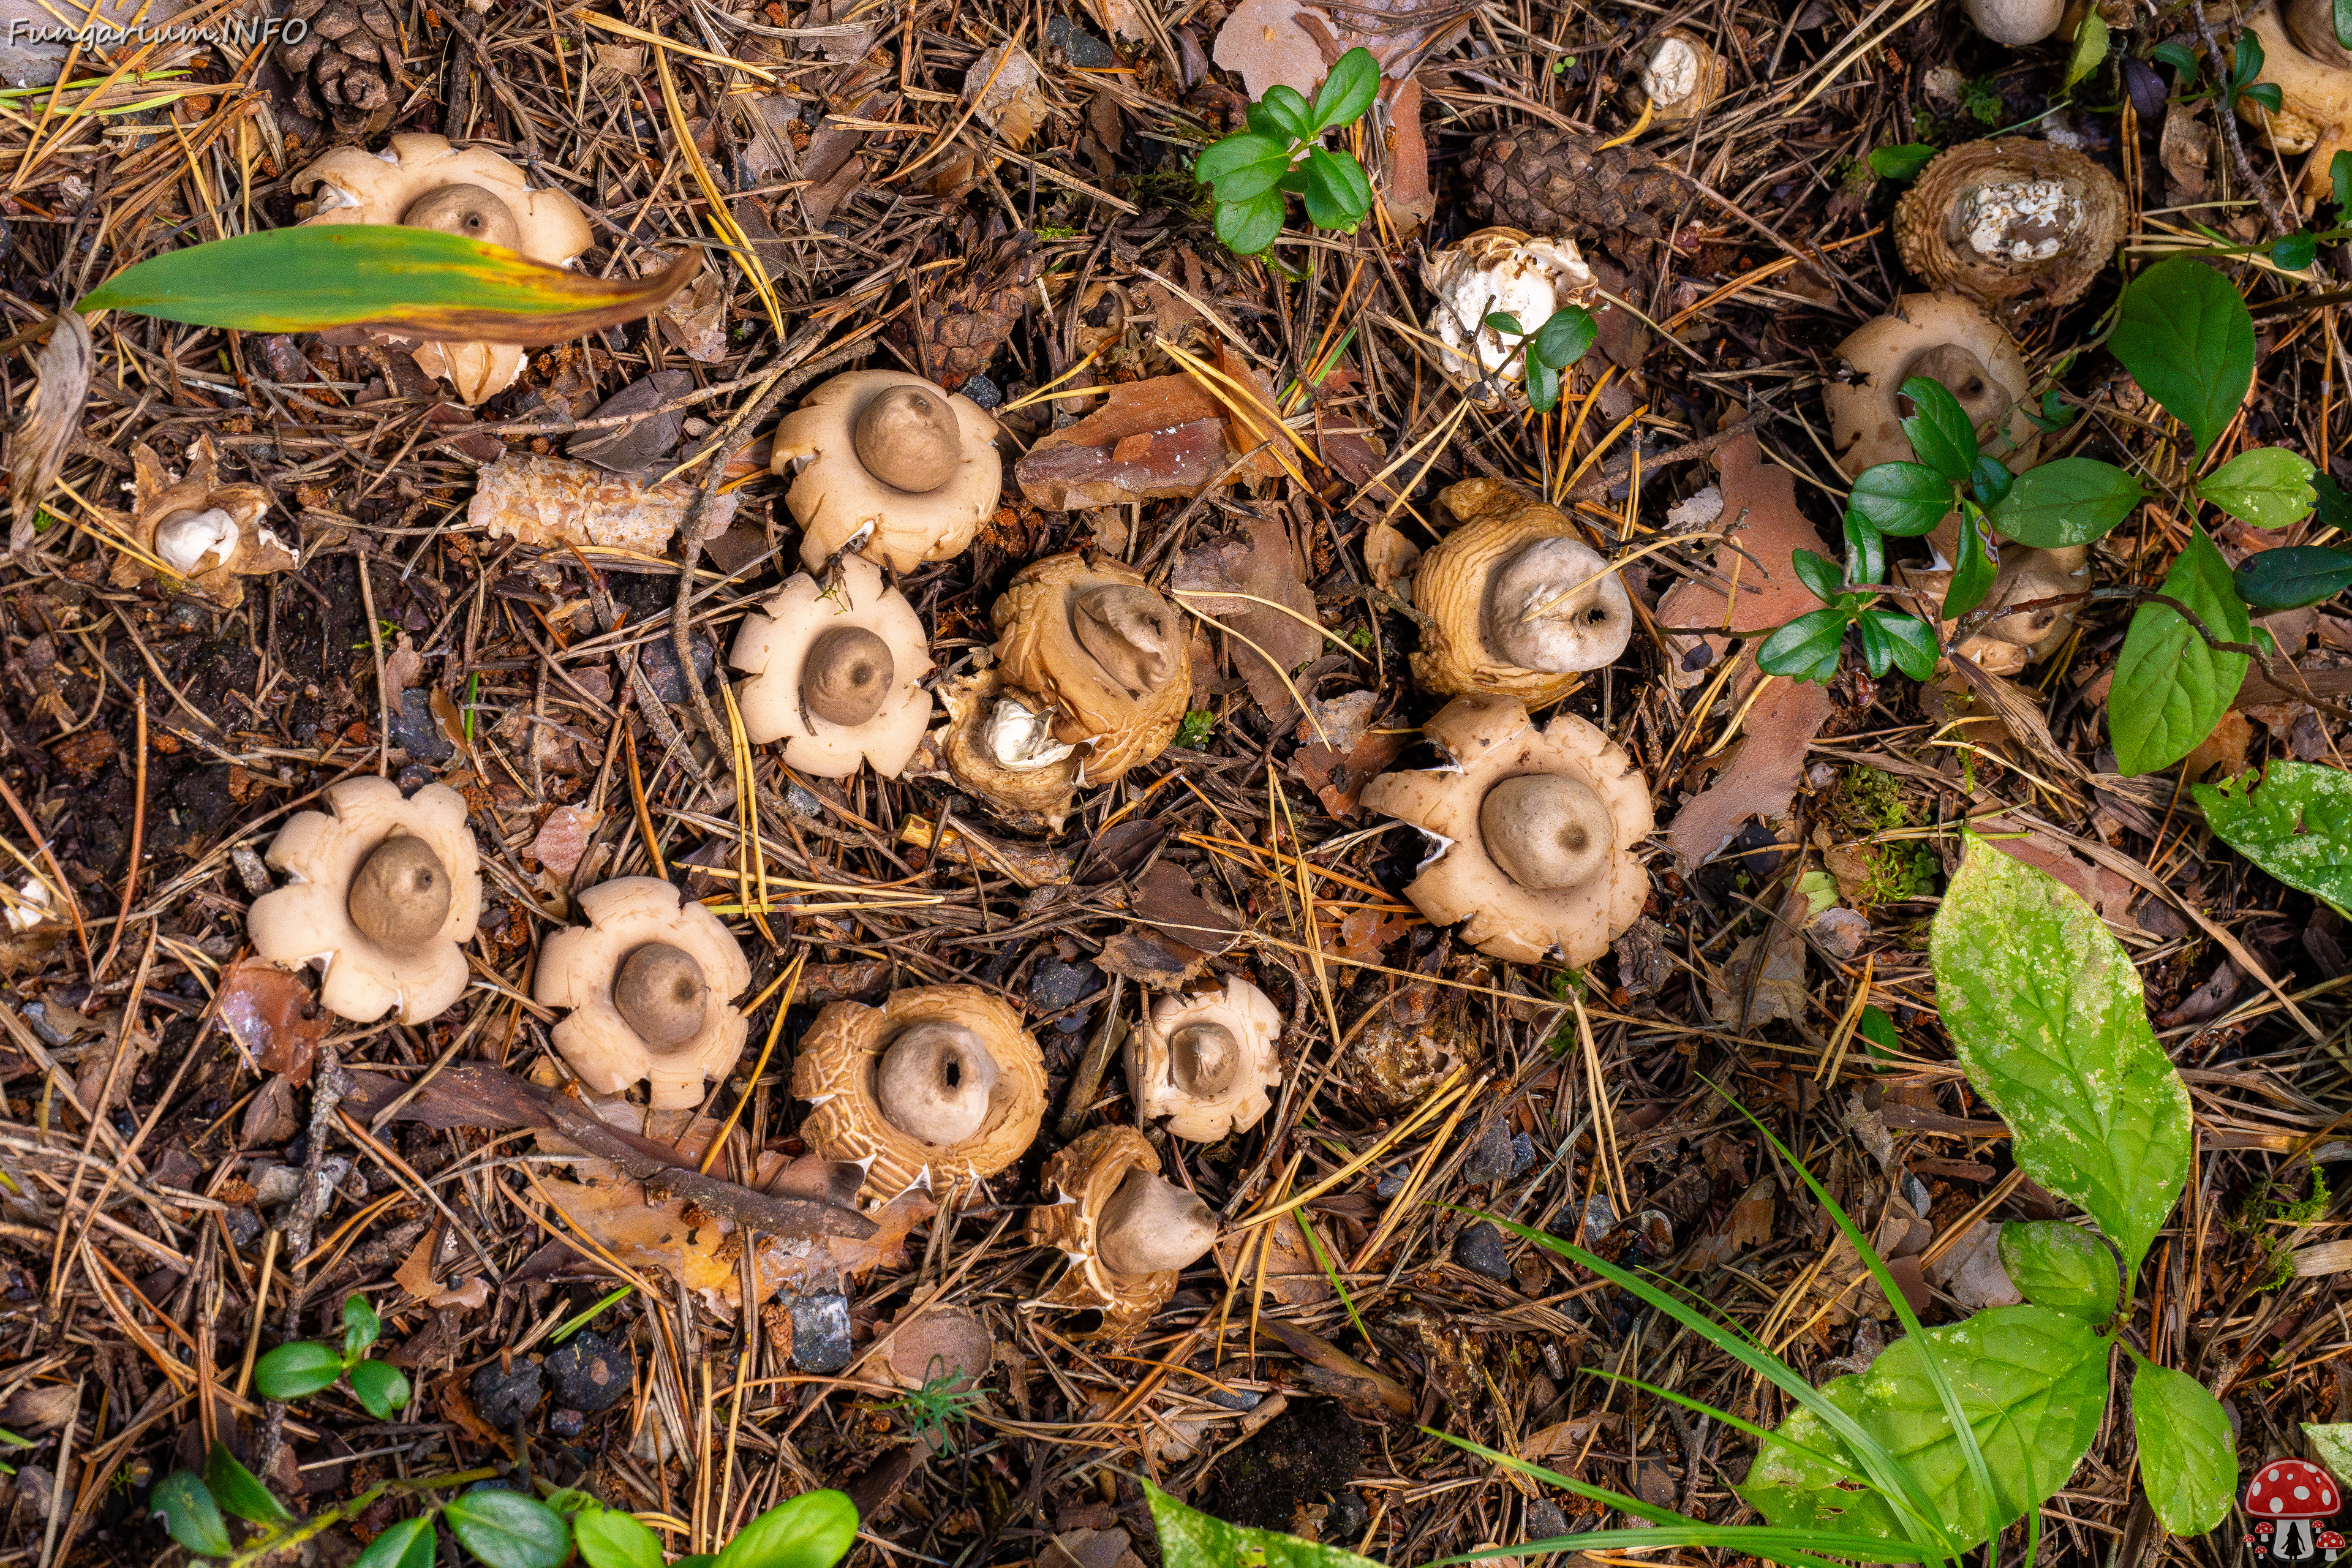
(2313, 75)
(836, 673)
(1500, 271)
(2010, 221)
(207, 532)
(1125, 1232)
(1205, 1061)
(1519, 606)
(411, 182)
(1493, 816)
(939, 448)
(1681, 76)
(839, 1070)
(620, 1028)
(412, 966)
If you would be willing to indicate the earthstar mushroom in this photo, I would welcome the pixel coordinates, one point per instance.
(2015, 22)
(888, 467)
(1205, 1061)
(2313, 75)
(1548, 866)
(383, 889)
(1520, 606)
(836, 672)
(1681, 76)
(423, 182)
(938, 1086)
(2011, 220)
(1949, 340)
(1126, 1231)
(1081, 638)
(208, 532)
(648, 982)
(1500, 271)
(1002, 749)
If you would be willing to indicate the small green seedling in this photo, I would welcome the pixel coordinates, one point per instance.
(1282, 154)
(301, 1369)
(1549, 351)
(943, 1402)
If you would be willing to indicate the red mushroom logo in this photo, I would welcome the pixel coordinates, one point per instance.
(2294, 1496)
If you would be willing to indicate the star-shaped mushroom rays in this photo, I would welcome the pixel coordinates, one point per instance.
(939, 1086)
(836, 672)
(382, 894)
(1127, 1232)
(648, 980)
(888, 467)
(1205, 1061)
(1535, 831)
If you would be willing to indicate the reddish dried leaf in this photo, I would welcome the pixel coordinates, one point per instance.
(1768, 593)
(562, 839)
(273, 1018)
(1761, 776)
(1260, 564)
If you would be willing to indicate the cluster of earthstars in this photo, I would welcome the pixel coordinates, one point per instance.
(1090, 675)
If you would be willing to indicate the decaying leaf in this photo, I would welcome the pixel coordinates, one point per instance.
(38, 445)
(1563, 1439)
(1287, 1269)
(1163, 437)
(1765, 978)
(1753, 587)
(1260, 564)
(273, 1018)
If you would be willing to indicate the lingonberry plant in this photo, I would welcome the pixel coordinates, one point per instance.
(2188, 339)
(1282, 154)
(301, 1369)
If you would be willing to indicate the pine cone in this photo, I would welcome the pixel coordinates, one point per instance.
(965, 321)
(1556, 184)
(346, 68)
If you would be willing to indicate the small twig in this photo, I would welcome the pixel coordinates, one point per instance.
(1598, 487)
(2226, 112)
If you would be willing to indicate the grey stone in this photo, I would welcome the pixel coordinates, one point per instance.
(1349, 1516)
(417, 732)
(566, 1423)
(1496, 1156)
(1544, 1521)
(244, 1225)
(1599, 1218)
(1087, 52)
(821, 1332)
(1479, 1248)
(1054, 985)
(981, 390)
(590, 1373)
(1391, 1180)
(503, 1397)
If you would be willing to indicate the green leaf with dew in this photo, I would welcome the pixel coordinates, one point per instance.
(2072, 500)
(2048, 1018)
(2269, 487)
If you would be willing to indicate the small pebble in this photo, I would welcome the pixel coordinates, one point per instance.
(590, 1374)
(1479, 1248)
(566, 1423)
(244, 1225)
(1497, 1156)
(1054, 985)
(503, 1397)
(1391, 1180)
(415, 730)
(1599, 1218)
(1917, 1191)
(821, 1332)
(1349, 1516)
(1544, 1521)
(981, 390)
(1087, 52)
(37, 1014)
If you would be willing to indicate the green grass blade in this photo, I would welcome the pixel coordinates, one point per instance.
(1728, 1419)
(1887, 1476)
(1809, 1548)
(418, 281)
(1963, 1432)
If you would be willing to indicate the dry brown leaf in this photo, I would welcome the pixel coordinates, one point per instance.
(1562, 1437)
(1162, 437)
(1292, 1277)
(1754, 588)
(1765, 978)
(1761, 776)
(273, 1018)
(1259, 563)
(562, 838)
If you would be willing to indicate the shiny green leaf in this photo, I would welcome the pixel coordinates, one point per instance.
(407, 1543)
(2189, 341)
(1190, 1538)
(2062, 1266)
(1564, 336)
(2292, 576)
(1866, 551)
(2072, 500)
(362, 1327)
(297, 1370)
(1241, 166)
(1289, 109)
(2187, 1455)
(1338, 194)
(2090, 50)
(240, 1491)
(814, 1529)
(1905, 499)
(1975, 570)
(611, 1539)
(1249, 226)
(508, 1530)
(191, 1516)
(2269, 487)
(418, 281)
(381, 1388)
(1902, 163)
(1817, 574)
(1349, 90)
(1806, 649)
(1942, 437)
(1911, 640)
(2171, 687)
(2048, 1018)
(2295, 252)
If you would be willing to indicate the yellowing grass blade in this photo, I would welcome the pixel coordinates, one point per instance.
(417, 281)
